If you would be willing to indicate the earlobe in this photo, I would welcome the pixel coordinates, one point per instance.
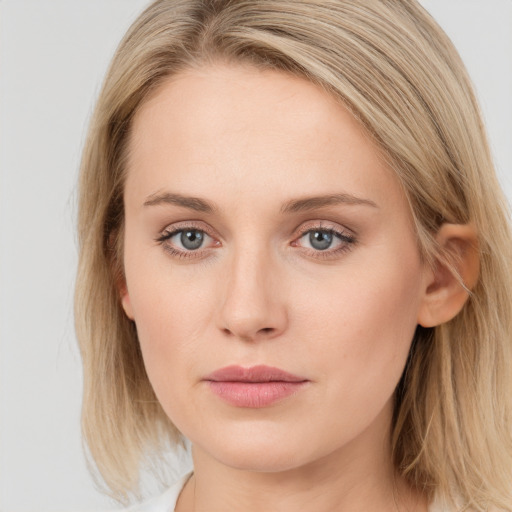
(448, 285)
(126, 302)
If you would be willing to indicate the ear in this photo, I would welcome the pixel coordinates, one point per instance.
(125, 300)
(117, 270)
(456, 271)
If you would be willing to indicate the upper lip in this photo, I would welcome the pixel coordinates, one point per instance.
(260, 373)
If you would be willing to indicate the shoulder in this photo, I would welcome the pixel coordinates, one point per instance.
(166, 502)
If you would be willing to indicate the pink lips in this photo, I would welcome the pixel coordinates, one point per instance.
(255, 387)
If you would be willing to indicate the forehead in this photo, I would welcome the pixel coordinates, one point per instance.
(251, 129)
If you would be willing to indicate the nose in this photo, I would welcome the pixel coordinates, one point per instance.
(253, 307)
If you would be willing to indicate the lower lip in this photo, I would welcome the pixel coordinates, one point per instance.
(254, 394)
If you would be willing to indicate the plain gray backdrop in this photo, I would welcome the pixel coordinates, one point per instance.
(53, 54)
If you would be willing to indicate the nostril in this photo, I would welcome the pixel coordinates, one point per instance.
(249, 336)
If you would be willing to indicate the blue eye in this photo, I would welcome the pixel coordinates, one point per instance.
(191, 239)
(184, 240)
(192, 242)
(321, 240)
(325, 242)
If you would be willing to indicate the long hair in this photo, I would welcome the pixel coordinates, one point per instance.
(396, 71)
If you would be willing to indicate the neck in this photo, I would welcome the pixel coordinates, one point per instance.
(353, 478)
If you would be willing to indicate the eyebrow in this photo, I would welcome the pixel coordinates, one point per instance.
(293, 206)
(312, 203)
(192, 203)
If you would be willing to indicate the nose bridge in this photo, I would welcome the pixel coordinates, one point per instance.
(252, 306)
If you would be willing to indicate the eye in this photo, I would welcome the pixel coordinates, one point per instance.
(320, 240)
(325, 242)
(190, 239)
(186, 242)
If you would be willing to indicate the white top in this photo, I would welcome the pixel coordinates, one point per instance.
(166, 502)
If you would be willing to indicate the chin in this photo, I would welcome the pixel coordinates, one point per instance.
(266, 461)
(258, 451)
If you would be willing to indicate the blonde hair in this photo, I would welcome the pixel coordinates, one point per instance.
(398, 73)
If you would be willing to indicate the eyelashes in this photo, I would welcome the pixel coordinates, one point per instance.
(324, 243)
(186, 242)
(189, 241)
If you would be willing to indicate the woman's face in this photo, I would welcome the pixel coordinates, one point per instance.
(263, 229)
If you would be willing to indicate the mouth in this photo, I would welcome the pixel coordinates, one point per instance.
(254, 387)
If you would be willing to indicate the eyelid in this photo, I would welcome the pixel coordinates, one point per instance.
(184, 225)
(322, 225)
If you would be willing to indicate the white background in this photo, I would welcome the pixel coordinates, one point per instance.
(53, 54)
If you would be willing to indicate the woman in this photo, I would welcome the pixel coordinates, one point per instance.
(296, 255)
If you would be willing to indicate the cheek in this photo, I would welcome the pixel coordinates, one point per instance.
(171, 310)
(363, 324)
(171, 320)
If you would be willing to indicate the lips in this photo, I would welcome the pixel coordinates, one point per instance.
(255, 387)
(254, 374)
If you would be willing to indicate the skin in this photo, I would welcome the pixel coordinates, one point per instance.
(257, 292)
